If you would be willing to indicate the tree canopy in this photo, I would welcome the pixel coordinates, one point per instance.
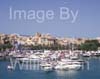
(90, 45)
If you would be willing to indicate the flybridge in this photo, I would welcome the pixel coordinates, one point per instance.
(65, 14)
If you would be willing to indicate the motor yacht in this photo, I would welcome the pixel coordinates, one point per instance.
(68, 64)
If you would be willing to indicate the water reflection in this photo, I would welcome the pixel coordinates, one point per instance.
(71, 74)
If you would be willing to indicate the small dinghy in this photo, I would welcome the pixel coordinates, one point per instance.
(10, 67)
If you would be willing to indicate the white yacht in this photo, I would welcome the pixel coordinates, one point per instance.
(30, 58)
(74, 57)
(68, 65)
(74, 65)
(47, 66)
(86, 54)
(61, 66)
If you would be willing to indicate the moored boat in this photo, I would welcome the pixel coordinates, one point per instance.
(47, 66)
(68, 65)
(10, 67)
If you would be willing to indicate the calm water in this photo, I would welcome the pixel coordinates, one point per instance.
(92, 73)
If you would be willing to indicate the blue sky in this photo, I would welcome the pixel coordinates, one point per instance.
(86, 25)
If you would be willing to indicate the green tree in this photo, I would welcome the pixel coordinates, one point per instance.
(90, 45)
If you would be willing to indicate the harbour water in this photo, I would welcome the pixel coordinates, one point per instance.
(93, 72)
